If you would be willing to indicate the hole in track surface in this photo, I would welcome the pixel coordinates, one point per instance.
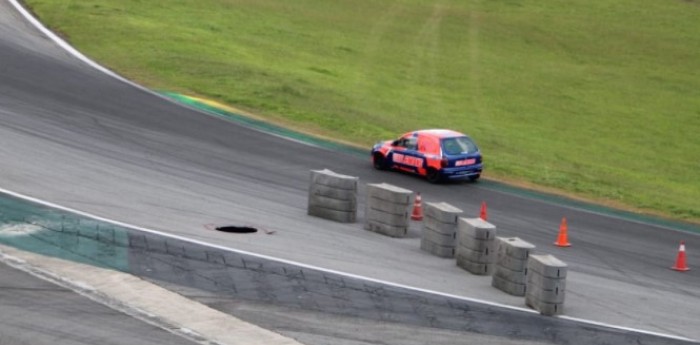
(237, 229)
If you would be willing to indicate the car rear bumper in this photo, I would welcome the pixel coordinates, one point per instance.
(462, 172)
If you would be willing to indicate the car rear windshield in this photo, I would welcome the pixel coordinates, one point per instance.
(458, 145)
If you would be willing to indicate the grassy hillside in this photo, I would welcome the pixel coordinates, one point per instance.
(595, 98)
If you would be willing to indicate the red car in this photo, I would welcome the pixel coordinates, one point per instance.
(437, 154)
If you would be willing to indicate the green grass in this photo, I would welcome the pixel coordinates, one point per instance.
(599, 99)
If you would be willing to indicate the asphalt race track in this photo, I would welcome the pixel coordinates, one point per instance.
(37, 312)
(74, 136)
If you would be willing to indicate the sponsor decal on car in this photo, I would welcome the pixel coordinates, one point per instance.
(464, 162)
(408, 160)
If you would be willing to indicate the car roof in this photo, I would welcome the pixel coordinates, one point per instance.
(439, 133)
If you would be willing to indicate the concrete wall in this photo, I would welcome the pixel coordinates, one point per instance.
(228, 273)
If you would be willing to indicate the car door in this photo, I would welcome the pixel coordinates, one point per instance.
(405, 154)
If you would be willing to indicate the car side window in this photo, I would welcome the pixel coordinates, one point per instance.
(411, 143)
(451, 147)
(407, 143)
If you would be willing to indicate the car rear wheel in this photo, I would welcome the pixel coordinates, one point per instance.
(433, 175)
(474, 178)
(379, 161)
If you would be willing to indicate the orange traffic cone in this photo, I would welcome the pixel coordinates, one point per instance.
(562, 240)
(483, 214)
(680, 261)
(417, 208)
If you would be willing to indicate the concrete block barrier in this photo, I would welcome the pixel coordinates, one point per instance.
(476, 228)
(476, 256)
(437, 238)
(329, 178)
(387, 218)
(442, 212)
(440, 229)
(507, 286)
(510, 274)
(511, 263)
(489, 246)
(544, 308)
(518, 277)
(547, 296)
(333, 196)
(547, 266)
(476, 245)
(437, 250)
(546, 284)
(473, 267)
(537, 280)
(384, 229)
(333, 204)
(333, 193)
(338, 216)
(390, 193)
(388, 209)
(514, 247)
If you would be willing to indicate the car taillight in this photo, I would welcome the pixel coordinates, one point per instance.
(444, 162)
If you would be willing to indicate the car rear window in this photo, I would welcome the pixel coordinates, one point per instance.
(458, 145)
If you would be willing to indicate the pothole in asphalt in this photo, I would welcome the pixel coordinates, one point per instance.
(237, 229)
